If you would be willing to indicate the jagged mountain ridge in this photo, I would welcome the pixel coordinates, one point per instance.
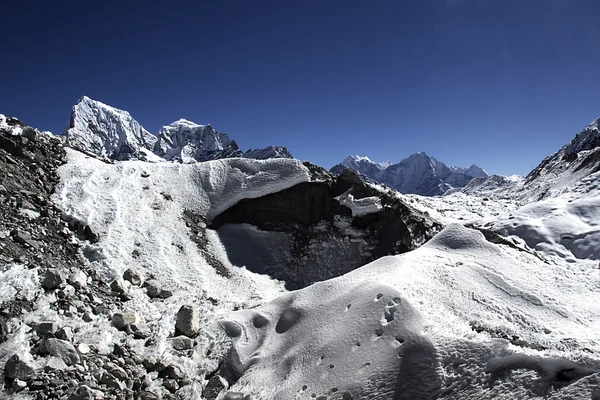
(556, 174)
(106, 131)
(418, 174)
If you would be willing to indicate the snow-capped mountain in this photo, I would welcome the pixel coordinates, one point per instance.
(188, 142)
(419, 173)
(106, 131)
(563, 169)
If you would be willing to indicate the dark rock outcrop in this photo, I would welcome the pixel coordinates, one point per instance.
(292, 234)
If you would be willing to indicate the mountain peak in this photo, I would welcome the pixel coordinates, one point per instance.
(100, 129)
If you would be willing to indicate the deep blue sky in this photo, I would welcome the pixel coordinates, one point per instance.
(498, 83)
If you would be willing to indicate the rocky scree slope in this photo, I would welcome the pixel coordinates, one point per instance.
(50, 296)
(320, 229)
(417, 174)
(105, 131)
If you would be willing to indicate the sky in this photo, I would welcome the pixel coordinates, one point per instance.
(497, 83)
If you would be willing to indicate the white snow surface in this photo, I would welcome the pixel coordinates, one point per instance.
(412, 326)
(360, 207)
(402, 327)
(567, 226)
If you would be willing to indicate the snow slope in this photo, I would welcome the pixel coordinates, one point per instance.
(459, 317)
(136, 208)
(435, 322)
(567, 226)
(106, 131)
(561, 171)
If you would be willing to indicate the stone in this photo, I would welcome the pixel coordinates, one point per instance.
(149, 362)
(171, 385)
(19, 385)
(120, 286)
(111, 381)
(83, 348)
(166, 293)
(65, 333)
(83, 393)
(54, 364)
(62, 349)
(53, 278)
(67, 292)
(153, 288)
(171, 372)
(30, 133)
(140, 331)
(4, 330)
(78, 279)
(133, 276)
(88, 316)
(215, 385)
(182, 343)
(19, 367)
(45, 328)
(90, 235)
(188, 320)
(120, 321)
(145, 395)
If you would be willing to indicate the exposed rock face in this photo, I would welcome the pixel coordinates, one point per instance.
(106, 131)
(268, 152)
(188, 320)
(292, 234)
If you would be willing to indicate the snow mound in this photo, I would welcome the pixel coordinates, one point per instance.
(456, 237)
(458, 318)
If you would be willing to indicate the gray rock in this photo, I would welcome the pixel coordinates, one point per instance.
(120, 286)
(46, 327)
(166, 293)
(18, 367)
(4, 330)
(111, 381)
(30, 133)
(171, 385)
(83, 393)
(182, 343)
(67, 292)
(78, 279)
(215, 385)
(140, 331)
(53, 278)
(153, 288)
(133, 276)
(120, 321)
(54, 364)
(19, 385)
(62, 349)
(65, 333)
(145, 395)
(171, 372)
(188, 320)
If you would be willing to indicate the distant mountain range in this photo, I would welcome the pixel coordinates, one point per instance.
(106, 131)
(418, 174)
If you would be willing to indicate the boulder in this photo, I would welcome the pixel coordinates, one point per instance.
(62, 349)
(18, 367)
(188, 320)
(133, 276)
(153, 288)
(120, 321)
(53, 278)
